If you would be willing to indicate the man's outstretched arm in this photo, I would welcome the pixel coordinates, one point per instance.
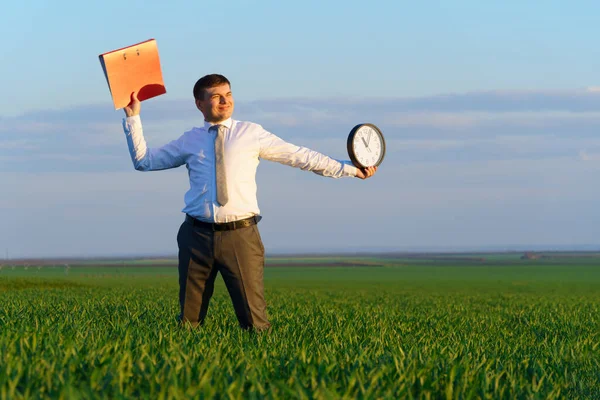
(143, 158)
(273, 148)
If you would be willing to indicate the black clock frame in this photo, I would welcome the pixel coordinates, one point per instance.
(351, 148)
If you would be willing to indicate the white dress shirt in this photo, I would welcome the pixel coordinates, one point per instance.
(245, 143)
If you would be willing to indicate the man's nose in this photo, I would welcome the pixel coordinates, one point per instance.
(222, 100)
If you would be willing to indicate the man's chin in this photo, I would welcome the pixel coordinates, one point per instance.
(218, 118)
(224, 116)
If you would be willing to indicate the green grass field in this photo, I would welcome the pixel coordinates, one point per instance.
(502, 329)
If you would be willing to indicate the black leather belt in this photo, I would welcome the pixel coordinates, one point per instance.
(224, 226)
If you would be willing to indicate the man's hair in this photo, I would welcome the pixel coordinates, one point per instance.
(208, 81)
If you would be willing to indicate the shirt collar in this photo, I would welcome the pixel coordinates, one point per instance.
(227, 123)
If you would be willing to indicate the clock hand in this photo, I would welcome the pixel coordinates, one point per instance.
(366, 145)
(369, 139)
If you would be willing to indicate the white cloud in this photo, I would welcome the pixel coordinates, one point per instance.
(23, 144)
(469, 119)
(470, 169)
(398, 145)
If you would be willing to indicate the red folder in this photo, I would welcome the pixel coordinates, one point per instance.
(133, 68)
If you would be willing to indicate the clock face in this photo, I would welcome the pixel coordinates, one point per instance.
(366, 145)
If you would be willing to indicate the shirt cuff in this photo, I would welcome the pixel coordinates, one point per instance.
(131, 122)
(350, 169)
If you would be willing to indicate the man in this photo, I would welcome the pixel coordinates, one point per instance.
(219, 232)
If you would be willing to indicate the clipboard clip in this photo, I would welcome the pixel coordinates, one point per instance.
(137, 51)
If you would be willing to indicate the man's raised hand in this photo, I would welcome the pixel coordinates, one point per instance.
(134, 106)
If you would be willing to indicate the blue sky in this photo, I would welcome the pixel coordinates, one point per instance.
(490, 111)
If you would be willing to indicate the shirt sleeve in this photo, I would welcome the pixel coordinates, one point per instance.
(273, 148)
(147, 159)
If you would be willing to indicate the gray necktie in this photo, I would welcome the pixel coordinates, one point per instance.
(222, 197)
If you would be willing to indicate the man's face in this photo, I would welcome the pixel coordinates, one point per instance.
(217, 104)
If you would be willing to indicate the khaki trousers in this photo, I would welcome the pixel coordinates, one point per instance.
(239, 255)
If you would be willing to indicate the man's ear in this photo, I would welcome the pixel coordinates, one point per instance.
(198, 101)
